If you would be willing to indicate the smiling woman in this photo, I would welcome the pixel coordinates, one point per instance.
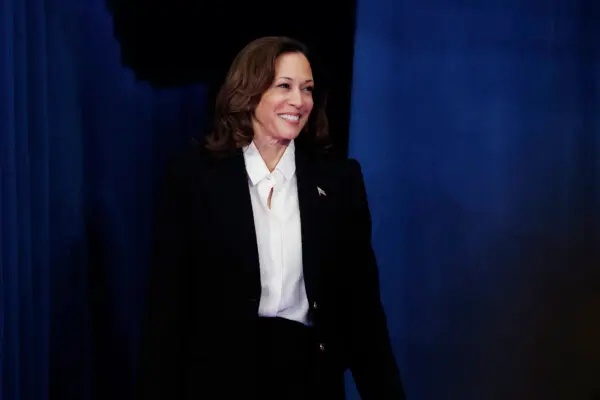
(271, 76)
(263, 283)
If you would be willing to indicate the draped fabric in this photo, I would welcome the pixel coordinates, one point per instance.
(81, 146)
(477, 127)
(26, 200)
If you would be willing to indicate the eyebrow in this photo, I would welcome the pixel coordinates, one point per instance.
(290, 79)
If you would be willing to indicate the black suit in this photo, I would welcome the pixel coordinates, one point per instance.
(199, 337)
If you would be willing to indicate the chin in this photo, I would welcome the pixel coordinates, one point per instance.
(288, 135)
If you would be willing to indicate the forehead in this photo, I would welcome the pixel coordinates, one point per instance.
(293, 65)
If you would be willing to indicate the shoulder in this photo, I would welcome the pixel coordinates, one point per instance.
(346, 169)
(195, 161)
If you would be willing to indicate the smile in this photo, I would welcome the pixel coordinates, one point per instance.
(290, 117)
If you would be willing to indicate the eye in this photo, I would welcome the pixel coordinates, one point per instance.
(309, 89)
(284, 85)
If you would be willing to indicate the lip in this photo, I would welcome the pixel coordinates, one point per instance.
(289, 121)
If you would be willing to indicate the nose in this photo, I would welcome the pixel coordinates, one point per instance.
(296, 98)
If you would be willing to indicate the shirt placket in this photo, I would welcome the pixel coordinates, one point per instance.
(277, 237)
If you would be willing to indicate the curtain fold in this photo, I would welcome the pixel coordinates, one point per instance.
(25, 284)
(82, 144)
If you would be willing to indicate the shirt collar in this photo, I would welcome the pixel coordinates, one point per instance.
(257, 169)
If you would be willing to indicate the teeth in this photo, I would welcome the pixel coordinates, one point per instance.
(290, 117)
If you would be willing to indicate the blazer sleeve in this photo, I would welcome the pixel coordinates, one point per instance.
(372, 361)
(161, 362)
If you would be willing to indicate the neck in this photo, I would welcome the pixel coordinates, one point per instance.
(271, 151)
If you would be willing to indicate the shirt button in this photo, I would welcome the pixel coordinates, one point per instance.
(322, 347)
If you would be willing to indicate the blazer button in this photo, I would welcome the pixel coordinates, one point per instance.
(322, 347)
(315, 305)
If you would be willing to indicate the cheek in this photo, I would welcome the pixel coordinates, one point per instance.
(309, 106)
(278, 105)
(270, 102)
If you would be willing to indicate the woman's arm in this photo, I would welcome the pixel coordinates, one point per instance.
(372, 360)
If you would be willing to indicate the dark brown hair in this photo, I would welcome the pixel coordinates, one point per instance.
(250, 75)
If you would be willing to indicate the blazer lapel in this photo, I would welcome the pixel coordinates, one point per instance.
(230, 186)
(311, 216)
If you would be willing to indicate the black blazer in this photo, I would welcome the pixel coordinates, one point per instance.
(204, 284)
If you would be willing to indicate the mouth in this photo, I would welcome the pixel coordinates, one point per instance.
(291, 118)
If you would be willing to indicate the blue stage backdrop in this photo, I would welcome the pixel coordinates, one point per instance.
(477, 128)
(476, 124)
(82, 145)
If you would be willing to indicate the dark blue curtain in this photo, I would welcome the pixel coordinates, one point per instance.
(477, 127)
(82, 144)
(25, 205)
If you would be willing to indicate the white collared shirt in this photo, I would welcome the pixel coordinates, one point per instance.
(278, 235)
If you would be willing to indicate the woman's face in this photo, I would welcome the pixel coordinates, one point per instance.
(284, 108)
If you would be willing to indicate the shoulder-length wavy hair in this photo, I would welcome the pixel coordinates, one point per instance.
(250, 75)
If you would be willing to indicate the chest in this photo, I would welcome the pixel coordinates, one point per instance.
(235, 232)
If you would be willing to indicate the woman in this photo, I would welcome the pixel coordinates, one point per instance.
(264, 284)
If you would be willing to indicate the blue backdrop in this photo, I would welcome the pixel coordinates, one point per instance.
(82, 144)
(477, 128)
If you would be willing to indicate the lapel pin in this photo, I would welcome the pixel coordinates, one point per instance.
(321, 192)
